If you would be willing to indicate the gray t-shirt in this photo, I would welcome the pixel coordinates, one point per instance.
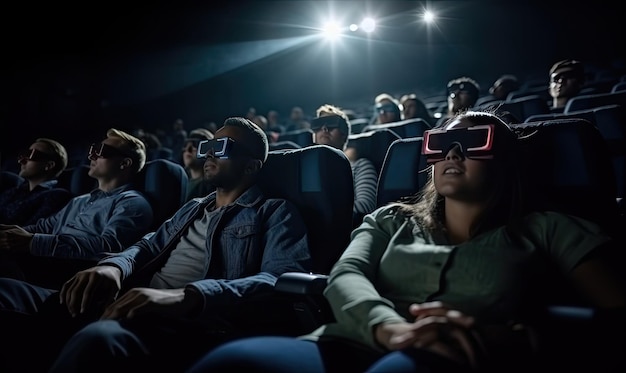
(189, 261)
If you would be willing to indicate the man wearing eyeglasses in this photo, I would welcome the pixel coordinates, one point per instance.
(37, 195)
(90, 226)
(177, 292)
(567, 78)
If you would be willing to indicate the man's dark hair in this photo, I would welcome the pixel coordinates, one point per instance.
(255, 136)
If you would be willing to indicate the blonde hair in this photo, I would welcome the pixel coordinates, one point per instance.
(133, 145)
(58, 152)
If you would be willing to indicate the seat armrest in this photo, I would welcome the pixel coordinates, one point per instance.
(301, 283)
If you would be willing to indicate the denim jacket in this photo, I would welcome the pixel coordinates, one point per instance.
(258, 239)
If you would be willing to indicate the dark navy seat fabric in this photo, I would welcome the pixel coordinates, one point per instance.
(303, 137)
(403, 172)
(413, 127)
(164, 184)
(583, 102)
(9, 179)
(611, 122)
(373, 145)
(567, 167)
(318, 180)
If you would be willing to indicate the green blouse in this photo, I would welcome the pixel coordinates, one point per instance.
(391, 263)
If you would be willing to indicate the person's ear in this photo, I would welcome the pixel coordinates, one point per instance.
(49, 165)
(253, 166)
(126, 162)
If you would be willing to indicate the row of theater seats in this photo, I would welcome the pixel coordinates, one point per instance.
(565, 166)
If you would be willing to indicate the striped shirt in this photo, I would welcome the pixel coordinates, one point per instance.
(365, 181)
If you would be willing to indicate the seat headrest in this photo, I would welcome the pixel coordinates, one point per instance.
(566, 166)
(318, 181)
(164, 184)
(373, 145)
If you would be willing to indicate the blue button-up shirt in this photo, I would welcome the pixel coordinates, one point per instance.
(93, 225)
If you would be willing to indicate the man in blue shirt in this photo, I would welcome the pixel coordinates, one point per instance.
(37, 195)
(175, 293)
(90, 226)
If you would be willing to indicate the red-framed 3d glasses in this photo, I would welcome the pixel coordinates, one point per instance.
(222, 148)
(475, 142)
(33, 155)
(102, 150)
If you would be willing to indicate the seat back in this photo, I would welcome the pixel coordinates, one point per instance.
(566, 167)
(526, 106)
(611, 122)
(413, 127)
(9, 179)
(583, 102)
(318, 180)
(303, 137)
(373, 145)
(77, 180)
(279, 145)
(164, 184)
(403, 171)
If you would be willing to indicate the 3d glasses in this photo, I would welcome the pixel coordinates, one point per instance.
(102, 150)
(387, 108)
(455, 88)
(222, 148)
(566, 75)
(475, 142)
(329, 121)
(33, 155)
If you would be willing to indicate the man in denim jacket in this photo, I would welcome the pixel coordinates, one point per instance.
(199, 267)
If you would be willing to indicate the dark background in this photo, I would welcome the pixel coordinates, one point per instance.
(73, 70)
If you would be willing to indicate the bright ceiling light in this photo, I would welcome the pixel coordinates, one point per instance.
(368, 24)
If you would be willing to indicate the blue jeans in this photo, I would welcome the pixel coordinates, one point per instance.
(287, 355)
(148, 342)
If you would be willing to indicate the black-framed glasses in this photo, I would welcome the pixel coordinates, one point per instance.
(221, 148)
(329, 121)
(33, 155)
(102, 150)
(475, 142)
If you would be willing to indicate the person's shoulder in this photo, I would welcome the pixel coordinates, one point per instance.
(555, 218)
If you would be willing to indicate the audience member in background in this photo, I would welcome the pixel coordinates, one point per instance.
(413, 107)
(332, 128)
(273, 122)
(297, 120)
(457, 280)
(386, 109)
(261, 121)
(251, 113)
(154, 148)
(37, 196)
(197, 185)
(199, 270)
(93, 225)
(567, 78)
(504, 85)
(178, 137)
(463, 93)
